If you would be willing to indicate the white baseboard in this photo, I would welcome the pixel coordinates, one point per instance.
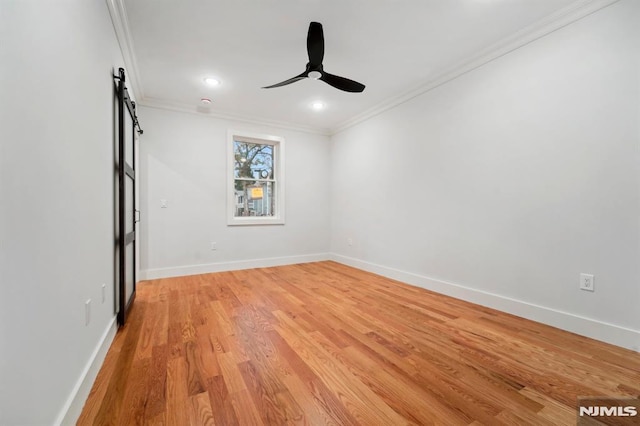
(178, 271)
(73, 407)
(605, 332)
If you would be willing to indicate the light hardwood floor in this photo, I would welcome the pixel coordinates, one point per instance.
(322, 343)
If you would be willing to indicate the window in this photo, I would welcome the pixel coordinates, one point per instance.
(256, 186)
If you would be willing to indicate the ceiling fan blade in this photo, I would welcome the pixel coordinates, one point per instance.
(291, 80)
(342, 83)
(315, 44)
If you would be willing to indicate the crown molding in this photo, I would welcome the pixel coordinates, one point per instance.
(572, 13)
(121, 27)
(123, 34)
(191, 109)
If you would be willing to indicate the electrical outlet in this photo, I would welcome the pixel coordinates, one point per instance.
(87, 312)
(587, 282)
(214, 246)
(350, 241)
(164, 204)
(104, 292)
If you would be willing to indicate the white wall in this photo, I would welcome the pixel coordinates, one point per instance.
(184, 160)
(510, 180)
(56, 200)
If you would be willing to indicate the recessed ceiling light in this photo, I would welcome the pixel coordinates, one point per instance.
(213, 82)
(317, 106)
(205, 101)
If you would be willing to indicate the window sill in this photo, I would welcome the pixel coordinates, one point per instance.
(254, 221)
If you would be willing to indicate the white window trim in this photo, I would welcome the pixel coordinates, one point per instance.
(278, 141)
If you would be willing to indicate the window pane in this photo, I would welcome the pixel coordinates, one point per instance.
(128, 211)
(128, 138)
(128, 279)
(254, 199)
(253, 161)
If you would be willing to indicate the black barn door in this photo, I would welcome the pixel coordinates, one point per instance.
(126, 200)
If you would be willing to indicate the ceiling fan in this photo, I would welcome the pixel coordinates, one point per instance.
(315, 50)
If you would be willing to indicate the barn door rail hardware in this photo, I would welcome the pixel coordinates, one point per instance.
(131, 105)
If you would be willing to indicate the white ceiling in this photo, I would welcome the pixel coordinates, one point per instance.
(391, 46)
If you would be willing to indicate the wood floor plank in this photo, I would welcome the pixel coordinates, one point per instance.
(552, 411)
(145, 339)
(245, 409)
(221, 404)
(332, 410)
(135, 396)
(112, 404)
(177, 394)
(205, 353)
(196, 371)
(267, 399)
(231, 373)
(361, 400)
(326, 344)
(419, 406)
(161, 326)
(156, 391)
(201, 412)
